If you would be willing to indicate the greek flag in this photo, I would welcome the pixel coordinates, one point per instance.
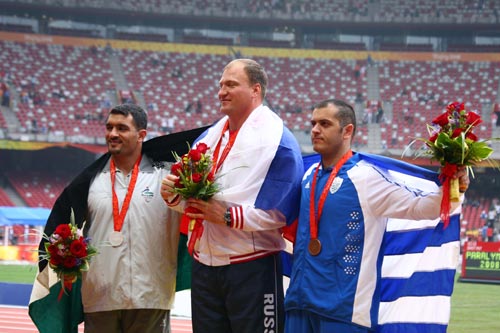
(419, 265)
(418, 272)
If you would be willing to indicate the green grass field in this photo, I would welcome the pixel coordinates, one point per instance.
(475, 307)
(18, 273)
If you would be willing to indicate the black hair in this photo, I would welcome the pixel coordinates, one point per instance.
(345, 114)
(138, 114)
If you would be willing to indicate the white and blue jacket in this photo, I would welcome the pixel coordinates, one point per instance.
(343, 281)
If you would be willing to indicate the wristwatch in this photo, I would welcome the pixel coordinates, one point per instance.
(227, 217)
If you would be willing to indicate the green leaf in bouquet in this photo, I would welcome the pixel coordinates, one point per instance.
(479, 150)
(85, 266)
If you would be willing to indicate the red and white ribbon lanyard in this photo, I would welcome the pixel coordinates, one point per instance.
(315, 245)
(119, 215)
(227, 148)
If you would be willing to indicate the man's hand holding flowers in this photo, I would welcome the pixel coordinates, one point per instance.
(68, 253)
(212, 210)
(453, 144)
(167, 189)
(463, 178)
(192, 178)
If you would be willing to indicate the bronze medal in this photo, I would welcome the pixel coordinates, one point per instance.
(314, 246)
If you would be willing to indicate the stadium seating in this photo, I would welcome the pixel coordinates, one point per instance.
(471, 212)
(63, 79)
(172, 83)
(464, 11)
(5, 199)
(295, 85)
(38, 188)
(420, 91)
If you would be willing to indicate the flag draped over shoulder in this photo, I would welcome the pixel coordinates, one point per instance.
(420, 260)
(51, 315)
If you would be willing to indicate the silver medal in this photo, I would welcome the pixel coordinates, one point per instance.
(116, 238)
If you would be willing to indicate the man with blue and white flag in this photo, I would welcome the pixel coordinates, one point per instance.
(367, 234)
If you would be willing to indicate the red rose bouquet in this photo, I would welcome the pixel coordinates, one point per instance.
(196, 174)
(68, 253)
(452, 143)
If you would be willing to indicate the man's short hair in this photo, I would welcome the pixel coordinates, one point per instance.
(345, 115)
(255, 73)
(138, 114)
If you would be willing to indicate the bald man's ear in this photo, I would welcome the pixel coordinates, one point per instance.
(257, 89)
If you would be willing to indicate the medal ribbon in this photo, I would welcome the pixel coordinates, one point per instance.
(197, 225)
(313, 217)
(227, 149)
(119, 216)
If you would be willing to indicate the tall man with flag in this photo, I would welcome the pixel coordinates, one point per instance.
(237, 285)
(348, 202)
